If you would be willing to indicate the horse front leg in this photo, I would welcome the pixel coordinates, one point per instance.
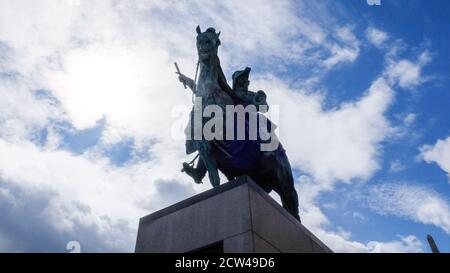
(213, 173)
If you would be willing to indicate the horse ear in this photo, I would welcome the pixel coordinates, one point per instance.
(218, 40)
(198, 30)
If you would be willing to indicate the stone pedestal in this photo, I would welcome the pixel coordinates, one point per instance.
(237, 217)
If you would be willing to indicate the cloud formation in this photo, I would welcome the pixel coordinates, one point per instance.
(438, 153)
(376, 36)
(411, 201)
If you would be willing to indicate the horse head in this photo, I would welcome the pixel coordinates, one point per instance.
(207, 43)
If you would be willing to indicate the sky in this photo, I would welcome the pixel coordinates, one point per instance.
(91, 115)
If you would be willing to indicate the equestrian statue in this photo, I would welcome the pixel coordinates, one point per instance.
(232, 155)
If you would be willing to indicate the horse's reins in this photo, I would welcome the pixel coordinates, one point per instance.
(195, 81)
(194, 91)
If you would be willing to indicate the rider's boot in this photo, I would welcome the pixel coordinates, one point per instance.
(197, 173)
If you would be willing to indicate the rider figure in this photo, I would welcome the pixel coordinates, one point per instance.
(246, 97)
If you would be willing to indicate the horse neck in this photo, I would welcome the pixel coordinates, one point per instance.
(209, 71)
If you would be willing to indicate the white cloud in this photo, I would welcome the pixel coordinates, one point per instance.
(339, 55)
(376, 36)
(405, 73)
(133, 90)
(112, 60)
(410, 119)
(337, 144)
(338, 239)
(84, 192)
(345, 50)
(396, 166)
(413, 202)
(408, 244)
(438, 153)
(339, 243)
(21, 113)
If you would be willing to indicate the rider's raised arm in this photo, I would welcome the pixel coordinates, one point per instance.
(191, 84)
(187, 81)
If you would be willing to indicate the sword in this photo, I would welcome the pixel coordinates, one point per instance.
(179, 73)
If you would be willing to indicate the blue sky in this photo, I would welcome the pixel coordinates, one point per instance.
(91, 115)
(422, 24)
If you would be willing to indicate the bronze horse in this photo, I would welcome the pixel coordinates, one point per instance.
(271, 170)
